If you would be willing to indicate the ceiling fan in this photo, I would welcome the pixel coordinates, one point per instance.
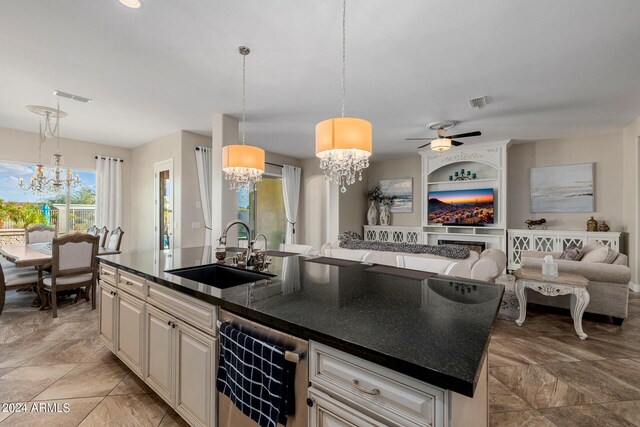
(443, 142)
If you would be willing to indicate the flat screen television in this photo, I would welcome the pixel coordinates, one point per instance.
(463, 207)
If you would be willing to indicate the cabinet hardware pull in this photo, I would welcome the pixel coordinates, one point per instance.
(169, 322)
(128, 283)
(373, 391)
(310, 402)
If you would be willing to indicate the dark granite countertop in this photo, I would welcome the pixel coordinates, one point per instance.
(435, 330)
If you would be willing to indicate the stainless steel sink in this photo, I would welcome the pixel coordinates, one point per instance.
(220, 276)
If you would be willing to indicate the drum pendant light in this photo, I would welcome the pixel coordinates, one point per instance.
(243, 165)
(343, 144)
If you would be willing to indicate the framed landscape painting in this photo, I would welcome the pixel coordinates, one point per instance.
(567, 188)
(402, 192)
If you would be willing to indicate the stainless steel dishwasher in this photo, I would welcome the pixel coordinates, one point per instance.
(228, 414)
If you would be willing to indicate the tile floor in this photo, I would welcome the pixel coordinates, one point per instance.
(541, 374)
(58, 361)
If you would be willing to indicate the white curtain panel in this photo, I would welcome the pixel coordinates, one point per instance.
(108, 192)
(291, 193)
(203, 164)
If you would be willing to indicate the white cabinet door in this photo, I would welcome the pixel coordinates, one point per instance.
(195, 376)
(130, 331)
(159, 353)
(328, 412)
(108, 310)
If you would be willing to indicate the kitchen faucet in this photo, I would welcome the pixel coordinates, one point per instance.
(266, 244)
(223, 238)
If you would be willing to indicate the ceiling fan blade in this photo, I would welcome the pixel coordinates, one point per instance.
(416, 139)
(425, 145)
(456, 143)
(465, 135)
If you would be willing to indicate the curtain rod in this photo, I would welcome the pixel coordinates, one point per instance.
(104, 158)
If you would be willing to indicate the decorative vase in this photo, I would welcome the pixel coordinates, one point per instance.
(603, 226)
(592, 225)
(372, 214)
(385, 215)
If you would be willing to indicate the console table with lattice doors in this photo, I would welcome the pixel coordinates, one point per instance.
(395, 234)
(520, 240)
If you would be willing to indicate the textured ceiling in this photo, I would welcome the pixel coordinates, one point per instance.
(551, 68)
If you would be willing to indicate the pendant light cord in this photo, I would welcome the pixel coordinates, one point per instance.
(244, 61)
(344, 54)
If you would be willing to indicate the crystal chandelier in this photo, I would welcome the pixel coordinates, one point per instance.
(41, 182)
(243, 165)
(344, 144)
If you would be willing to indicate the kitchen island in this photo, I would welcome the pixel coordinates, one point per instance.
(424, 333)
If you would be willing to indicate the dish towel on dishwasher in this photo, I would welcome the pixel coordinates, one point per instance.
(255, 376)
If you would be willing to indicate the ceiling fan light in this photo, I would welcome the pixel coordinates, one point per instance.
(131, 4)
(441, 144)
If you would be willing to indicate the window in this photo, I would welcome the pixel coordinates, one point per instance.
(264, 211)
(68, 210)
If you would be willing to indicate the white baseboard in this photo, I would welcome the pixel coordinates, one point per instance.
(634, 287)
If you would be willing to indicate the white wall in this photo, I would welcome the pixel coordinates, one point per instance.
(20, 146)
(404, 167)
(143, 159)
(312, 203)
(604, 150)
(179, 147)
(631, 196)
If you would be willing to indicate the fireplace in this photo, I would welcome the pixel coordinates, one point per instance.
(473, 246)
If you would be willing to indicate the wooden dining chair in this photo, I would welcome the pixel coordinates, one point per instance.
(102, 234)
(74, 265)
(39, 234)
(16, 280)
(115, 240)
(93, 230)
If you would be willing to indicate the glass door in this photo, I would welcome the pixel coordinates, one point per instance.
(164, 205)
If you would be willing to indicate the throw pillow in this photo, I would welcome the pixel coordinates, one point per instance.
(571, 252)
(349, 235)
(598, 254)
(586, 249)
(611, 256)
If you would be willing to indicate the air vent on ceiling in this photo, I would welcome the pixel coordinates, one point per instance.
(478, 102)
(71, 96)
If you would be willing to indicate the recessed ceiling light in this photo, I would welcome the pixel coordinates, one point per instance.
(131, 4)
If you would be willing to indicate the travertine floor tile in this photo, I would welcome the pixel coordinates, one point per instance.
(630, 410)
(501, 399)
(519, 351)
(78, 409)
(538, 387)
(23, 384)
(601, 382)
(127, 410)
(67, 351)
(86, 380)
(519, 419)
(172, 419)
(131, 384)
(585, 416)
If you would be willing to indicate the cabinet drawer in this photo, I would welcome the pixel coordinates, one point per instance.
(327, 412)
(108, 274)
(386, 393)
(191, 310)
(132, 284)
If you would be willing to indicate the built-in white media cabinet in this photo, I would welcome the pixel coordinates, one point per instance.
(489, 164)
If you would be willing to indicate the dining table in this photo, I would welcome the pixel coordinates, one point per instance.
(36, 254)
